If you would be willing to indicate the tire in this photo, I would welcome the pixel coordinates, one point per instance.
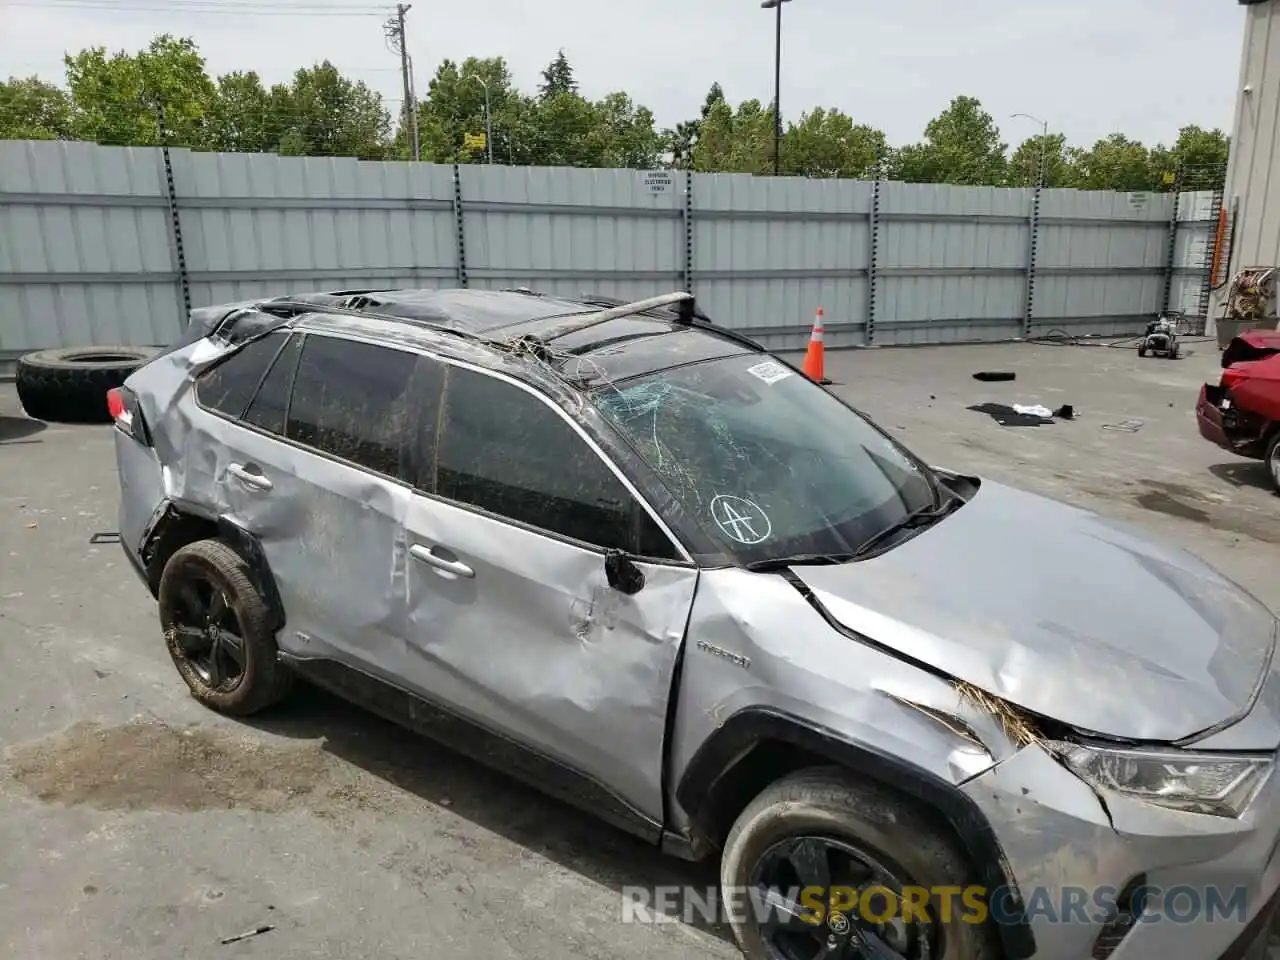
(70, 385)
(1173, 352)
(212, 568)
(1142, 349)
(995, 376)
(891, 830)
(1273, 458)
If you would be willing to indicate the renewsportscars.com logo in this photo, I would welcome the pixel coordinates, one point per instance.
(945, 904)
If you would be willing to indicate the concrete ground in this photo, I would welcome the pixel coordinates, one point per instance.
(134, 823)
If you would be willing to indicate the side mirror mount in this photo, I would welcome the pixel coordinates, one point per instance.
(622, 573)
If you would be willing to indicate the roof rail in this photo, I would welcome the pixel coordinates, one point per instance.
(586, 321)
(684, 311)
(296, 308)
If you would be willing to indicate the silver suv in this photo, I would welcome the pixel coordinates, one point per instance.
(631, 557)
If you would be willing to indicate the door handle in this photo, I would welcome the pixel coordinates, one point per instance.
(427, 555)
(250, 478)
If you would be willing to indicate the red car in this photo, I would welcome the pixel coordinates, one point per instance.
(1242, 412)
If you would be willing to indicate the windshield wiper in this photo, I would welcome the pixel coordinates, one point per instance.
(920, 517)
(796, 560)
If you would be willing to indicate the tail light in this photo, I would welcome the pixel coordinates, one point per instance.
(122, 404)
(1232, 378)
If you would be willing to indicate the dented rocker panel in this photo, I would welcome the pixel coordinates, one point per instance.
(446, 726)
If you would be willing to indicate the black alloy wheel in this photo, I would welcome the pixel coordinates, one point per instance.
(208, 634)
(843, 932)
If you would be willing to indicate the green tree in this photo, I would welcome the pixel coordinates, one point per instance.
(625, 133)
(1114, 163)
(827, 143)
(1024, 165)
(31, 109)
(324, 114)
(115, 98)
(557, 78)
(961, 145)
(1196, 161)
(735, 141)
(240, 117)
(565, 132)
(454, 106)
(680, 140)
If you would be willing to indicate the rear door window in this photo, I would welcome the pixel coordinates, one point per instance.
(352, 400)
(271, 403)
(229, 386)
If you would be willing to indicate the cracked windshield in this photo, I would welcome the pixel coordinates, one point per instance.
(769, 463)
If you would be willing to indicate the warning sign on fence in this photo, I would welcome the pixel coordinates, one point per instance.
(658, 181)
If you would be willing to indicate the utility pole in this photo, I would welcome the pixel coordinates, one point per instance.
(394, 30)
(776, 5)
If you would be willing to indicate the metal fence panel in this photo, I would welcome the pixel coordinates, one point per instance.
(89, 253)
(768, 252)
(84, 247)
(567, 231)
(258, 225)
(953, 263)
(1101, 261)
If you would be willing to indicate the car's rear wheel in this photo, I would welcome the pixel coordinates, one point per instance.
(854, 852)
(1273, 458)
(218, 630)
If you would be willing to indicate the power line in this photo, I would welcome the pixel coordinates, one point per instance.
(239, 8)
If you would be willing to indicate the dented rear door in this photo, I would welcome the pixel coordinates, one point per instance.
(316, 471)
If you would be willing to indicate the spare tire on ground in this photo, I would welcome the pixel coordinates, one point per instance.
(69, 385)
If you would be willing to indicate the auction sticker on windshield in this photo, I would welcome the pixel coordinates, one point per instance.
(740, 520)
(770, 371)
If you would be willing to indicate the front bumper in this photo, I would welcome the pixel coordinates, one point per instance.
(1217, 878)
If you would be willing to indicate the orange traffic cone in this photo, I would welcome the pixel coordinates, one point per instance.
(813, 357)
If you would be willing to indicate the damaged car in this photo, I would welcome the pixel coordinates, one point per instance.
(1241, 413)
(626, 554)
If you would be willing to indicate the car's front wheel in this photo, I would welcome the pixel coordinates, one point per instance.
(218, 630)
(824, 866)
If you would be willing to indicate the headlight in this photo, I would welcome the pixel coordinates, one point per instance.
(1198, 783)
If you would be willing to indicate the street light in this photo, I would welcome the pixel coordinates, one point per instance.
(777, 82)
(1044, 140)
(488, 117)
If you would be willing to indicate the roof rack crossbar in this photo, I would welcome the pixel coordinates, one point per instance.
(586, 321)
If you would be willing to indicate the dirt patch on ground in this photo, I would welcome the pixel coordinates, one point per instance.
(153, 766)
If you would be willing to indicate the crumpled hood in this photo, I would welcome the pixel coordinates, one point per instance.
(1060, 612)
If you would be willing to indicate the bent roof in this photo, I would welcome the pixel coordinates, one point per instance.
(608, 352)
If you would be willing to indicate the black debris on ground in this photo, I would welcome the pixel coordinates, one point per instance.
(1006, 416)
(995, 376)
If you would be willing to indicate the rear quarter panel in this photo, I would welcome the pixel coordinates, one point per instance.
(1260, 392)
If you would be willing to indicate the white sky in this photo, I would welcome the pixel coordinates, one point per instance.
(1089, 67)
